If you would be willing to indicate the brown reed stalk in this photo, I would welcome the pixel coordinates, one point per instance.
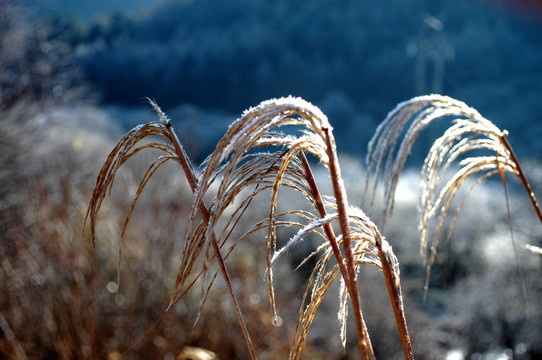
(328, 229)
(392, 283)
(511, 228)
(521, 174)
(390, 267)
(189, 173)
(364, 342)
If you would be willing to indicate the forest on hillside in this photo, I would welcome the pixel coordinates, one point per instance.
(355, 57)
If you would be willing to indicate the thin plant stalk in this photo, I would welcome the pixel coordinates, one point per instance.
(505, 188)
(521, 175)
(393, 289)
(328, 229)
(364, 341)
(188, 171)
(394, 293)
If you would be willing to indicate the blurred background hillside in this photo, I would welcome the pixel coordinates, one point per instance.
(74, 76)
(354, 59)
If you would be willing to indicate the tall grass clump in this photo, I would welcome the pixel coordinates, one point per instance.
(481, 149)
(253, 157)
(265, 155)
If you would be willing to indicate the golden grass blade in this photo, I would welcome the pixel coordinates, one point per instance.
(148, 174)
(318, 285)
(144, 181)
(258, 171)
(307, 316)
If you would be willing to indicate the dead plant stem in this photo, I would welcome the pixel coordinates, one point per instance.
(364, 342)
(189, 173)
(396, 301)
(511, 228)
(328, 229)
(530, 192)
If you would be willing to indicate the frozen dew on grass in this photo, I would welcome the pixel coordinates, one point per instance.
(233, 176)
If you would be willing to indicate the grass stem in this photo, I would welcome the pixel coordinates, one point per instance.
(364, 342)
(189, 173)
(530, 192)
(328, 229)
(509, 214)
(394, 292)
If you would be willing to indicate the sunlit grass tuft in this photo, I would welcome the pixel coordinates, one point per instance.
(255, 159)
(241, 172)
